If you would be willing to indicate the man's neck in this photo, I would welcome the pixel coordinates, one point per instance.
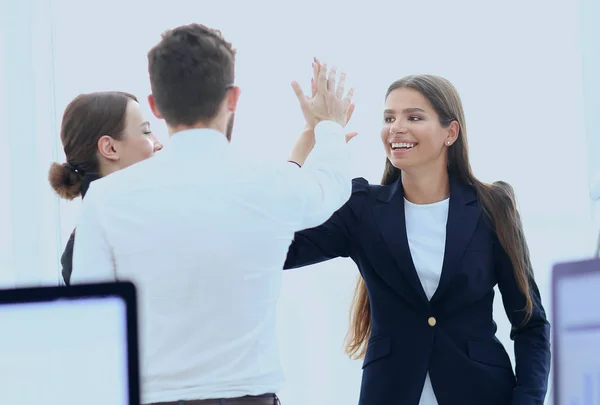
(426, 186)
(199, 125)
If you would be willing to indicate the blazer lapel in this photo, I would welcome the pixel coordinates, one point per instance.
(463, 216)
(389, 216)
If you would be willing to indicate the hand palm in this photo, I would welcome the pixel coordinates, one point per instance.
(326, 102)
(318, 106)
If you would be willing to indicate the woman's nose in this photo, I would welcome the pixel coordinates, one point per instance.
(157, 146)
(397, 129)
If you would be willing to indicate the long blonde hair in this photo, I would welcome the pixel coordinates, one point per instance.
(497, 201)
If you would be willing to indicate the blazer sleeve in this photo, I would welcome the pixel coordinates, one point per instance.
(531, 338)
(66, 260)
(334, 237)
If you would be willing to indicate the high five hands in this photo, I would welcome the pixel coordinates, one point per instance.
(327, 102)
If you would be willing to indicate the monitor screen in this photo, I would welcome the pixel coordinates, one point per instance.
(69, 351)
(577, 334)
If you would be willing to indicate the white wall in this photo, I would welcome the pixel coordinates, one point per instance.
(590, 49)
(590, 34)
(29, 216)
(516, 64)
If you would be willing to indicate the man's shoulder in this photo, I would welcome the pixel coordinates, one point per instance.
(124, 181)
(109, 185)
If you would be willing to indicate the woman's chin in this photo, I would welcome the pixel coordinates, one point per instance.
(398, 163)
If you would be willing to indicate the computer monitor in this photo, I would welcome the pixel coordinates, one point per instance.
(69, 345)
(576, 332)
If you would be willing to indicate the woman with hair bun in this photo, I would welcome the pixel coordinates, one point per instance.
(101, 133)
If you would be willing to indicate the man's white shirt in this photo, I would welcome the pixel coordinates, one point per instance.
(204, 233)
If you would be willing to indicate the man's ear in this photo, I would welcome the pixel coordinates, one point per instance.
(233, 96)
(153, 107)
(107, 148)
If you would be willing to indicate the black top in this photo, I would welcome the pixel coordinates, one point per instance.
(66, 259)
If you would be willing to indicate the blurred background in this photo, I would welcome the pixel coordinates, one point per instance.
(527, 73)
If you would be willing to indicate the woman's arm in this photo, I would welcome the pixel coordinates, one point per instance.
(532, 338)
(331, 239)
(303, 146)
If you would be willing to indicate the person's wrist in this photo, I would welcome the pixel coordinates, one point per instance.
(310, 125)
(338, 120)
(309, 128)
(307, 136)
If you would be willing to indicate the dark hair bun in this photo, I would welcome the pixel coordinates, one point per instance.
(65, 181)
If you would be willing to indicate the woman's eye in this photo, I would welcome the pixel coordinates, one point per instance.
(414, 118)
(387, 120)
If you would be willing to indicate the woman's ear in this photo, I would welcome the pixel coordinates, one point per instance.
(107, 148)
(453, 131)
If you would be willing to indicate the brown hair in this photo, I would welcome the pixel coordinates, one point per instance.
(497, 201)
(86, 119)
(190, 71)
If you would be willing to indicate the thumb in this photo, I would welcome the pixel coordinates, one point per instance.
(300, 95)
(350, 112)
(350, 136)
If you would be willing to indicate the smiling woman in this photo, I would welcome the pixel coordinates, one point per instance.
(101, 133)
(414, 130)
(431, 244)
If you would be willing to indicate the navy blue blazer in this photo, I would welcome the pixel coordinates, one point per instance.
(467, 363)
